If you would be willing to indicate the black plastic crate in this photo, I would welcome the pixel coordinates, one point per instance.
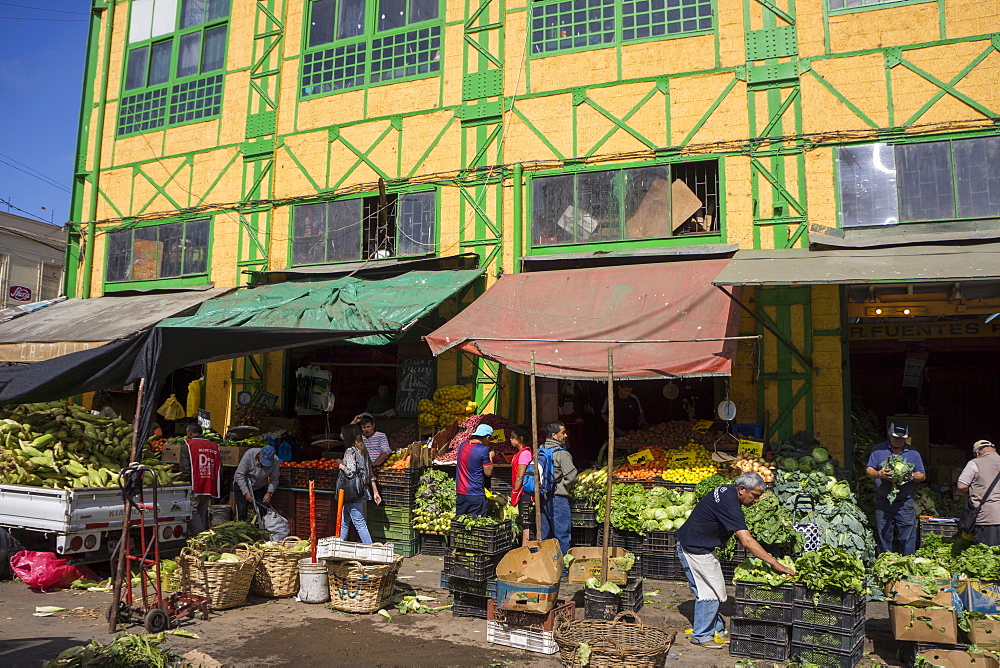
(586, 517)
(631, 596)
(678, 486)
(946, 529)
(828, 658)
(662, 567)
(403, 479)
(833, 600)
(434, 544)
(763, 612)
(501, 485)
(751, 628)
(729, 570)
(756, 648)
(469, 605)
(660, 541)
(630, 540)
(828, 638)
(756, 592)
(804, 614)
(486, 588)
(489, 539)
(285, 476)
(472, 566)
(584, 537)
(394, 496)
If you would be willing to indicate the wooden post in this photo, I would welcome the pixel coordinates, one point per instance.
(136, 441)
(534, 448)
(611, 460)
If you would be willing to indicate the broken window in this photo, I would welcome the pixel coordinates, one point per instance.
(626, 204)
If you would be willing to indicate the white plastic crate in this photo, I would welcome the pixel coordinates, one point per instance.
(334, 548)
(542, 642)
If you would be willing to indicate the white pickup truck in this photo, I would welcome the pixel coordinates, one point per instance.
(85, 524)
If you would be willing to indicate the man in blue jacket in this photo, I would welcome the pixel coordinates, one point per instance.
(897, 520)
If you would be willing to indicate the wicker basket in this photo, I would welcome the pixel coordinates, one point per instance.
(357, 587)
(226, 585)
(614, 643)
(277, 573)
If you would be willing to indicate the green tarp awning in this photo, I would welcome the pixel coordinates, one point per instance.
(347, 303)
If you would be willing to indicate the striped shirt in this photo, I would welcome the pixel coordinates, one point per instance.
(377, 445)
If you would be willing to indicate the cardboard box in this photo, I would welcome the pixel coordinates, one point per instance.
(985, 633)
(530, 598)
(913, 594)
(171, 452)
(978, 596)
(588, 564)
(530, 576)
(953, 658)
(936, 625)
(231, 454)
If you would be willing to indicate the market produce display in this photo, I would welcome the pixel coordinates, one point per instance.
(228, 535)
(324, 464)
(435, 503)
(745, 463)
(831, 569)
(706, 485)
(890, 567)
(755, 570)
(62, 446)
(500, 446)
(944, 551)
(687, 464)
(771, 524)
(636, 509)
(672, 433)
(447, 404)
(403, 437)
(590, 487)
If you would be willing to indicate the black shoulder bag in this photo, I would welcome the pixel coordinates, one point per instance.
(971, 511)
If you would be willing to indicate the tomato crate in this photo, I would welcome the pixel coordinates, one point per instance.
(829, 638)
(326, 506)
(488, 539)
(803, 614)
(828, 658)
(762, 612)
(469, 605)
(660, 541)
(564, 611)
(473, 587)
(750, 628)
(755, 592)
(756, 648)
(325, 479)
(285, 476)
(472, 566)
(844, 601)
(584, 537)
(631, 597)
(434, 544)
(585, 517)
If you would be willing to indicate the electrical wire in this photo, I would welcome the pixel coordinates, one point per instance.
(25, 18)
(27, 213)
(42, 9)
(34, 173)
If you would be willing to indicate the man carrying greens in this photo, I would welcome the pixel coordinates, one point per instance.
(718, 516)
(895, 517)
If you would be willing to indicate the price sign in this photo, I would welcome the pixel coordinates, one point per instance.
(750, 448)
(680, 459)
(499, 436)
(701, 426)
(204, 419)
(640, 457)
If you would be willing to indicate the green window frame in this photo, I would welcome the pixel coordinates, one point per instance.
(561, 26)
(353, 43)
(166, 250)
(174, 64)
(656, 202)
(882, 184)
(850, 6)
(350, 229)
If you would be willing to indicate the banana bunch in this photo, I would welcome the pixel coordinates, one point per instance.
(58, 445)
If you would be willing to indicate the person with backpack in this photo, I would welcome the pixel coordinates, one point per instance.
(557, 473)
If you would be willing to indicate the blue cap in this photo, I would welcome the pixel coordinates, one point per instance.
(483, 430)
(267, 455)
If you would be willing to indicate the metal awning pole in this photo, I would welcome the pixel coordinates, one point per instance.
(534, 449)
(611, 460)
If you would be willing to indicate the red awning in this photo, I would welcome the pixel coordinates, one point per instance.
(655, 318)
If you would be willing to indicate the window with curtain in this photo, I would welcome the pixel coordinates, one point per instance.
(175, 60)
(169, 250)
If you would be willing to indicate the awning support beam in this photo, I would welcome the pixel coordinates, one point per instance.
(806, 361)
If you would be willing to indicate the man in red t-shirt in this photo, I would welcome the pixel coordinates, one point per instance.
(201, 466)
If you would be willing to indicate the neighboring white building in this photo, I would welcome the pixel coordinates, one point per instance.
(32, 256)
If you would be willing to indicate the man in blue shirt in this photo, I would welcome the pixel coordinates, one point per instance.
(718, 516)
(475, 459)
(896, 520)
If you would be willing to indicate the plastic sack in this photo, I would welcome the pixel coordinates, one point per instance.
(171, 409)
(47, 570)
(271, 521)
(194, 398)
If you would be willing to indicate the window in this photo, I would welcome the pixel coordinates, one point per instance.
(158, 251)
(50, 281)
(354, 42)
(173, 70)
(626, 204)
(882, 184)
(836, 5)
(562, 25)
(352, 229)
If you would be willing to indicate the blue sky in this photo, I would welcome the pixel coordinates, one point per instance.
(42, 54)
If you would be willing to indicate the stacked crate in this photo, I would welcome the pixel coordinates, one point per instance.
(659, 556)
(828, 628)
(326, 514)
(761, 625)
(470, 567)
(392, 521)
(584, 522)
(532, 631)
(630, 540)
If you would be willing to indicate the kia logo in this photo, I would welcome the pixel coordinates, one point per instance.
(19, 293)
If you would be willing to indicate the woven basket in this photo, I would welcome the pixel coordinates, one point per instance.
(277, 573)
(224, 585)
(357, 587)
(614, 643)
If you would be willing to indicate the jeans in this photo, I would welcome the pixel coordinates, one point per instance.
(354, 513)
(242, 504)
(556, 522)
(471, 505)
(707, 620)
(895, 522)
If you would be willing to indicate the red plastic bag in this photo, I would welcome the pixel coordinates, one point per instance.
(46, 570)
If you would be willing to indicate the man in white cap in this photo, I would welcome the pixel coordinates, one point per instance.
(895, 521)
(475, 460)
(980, 476)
